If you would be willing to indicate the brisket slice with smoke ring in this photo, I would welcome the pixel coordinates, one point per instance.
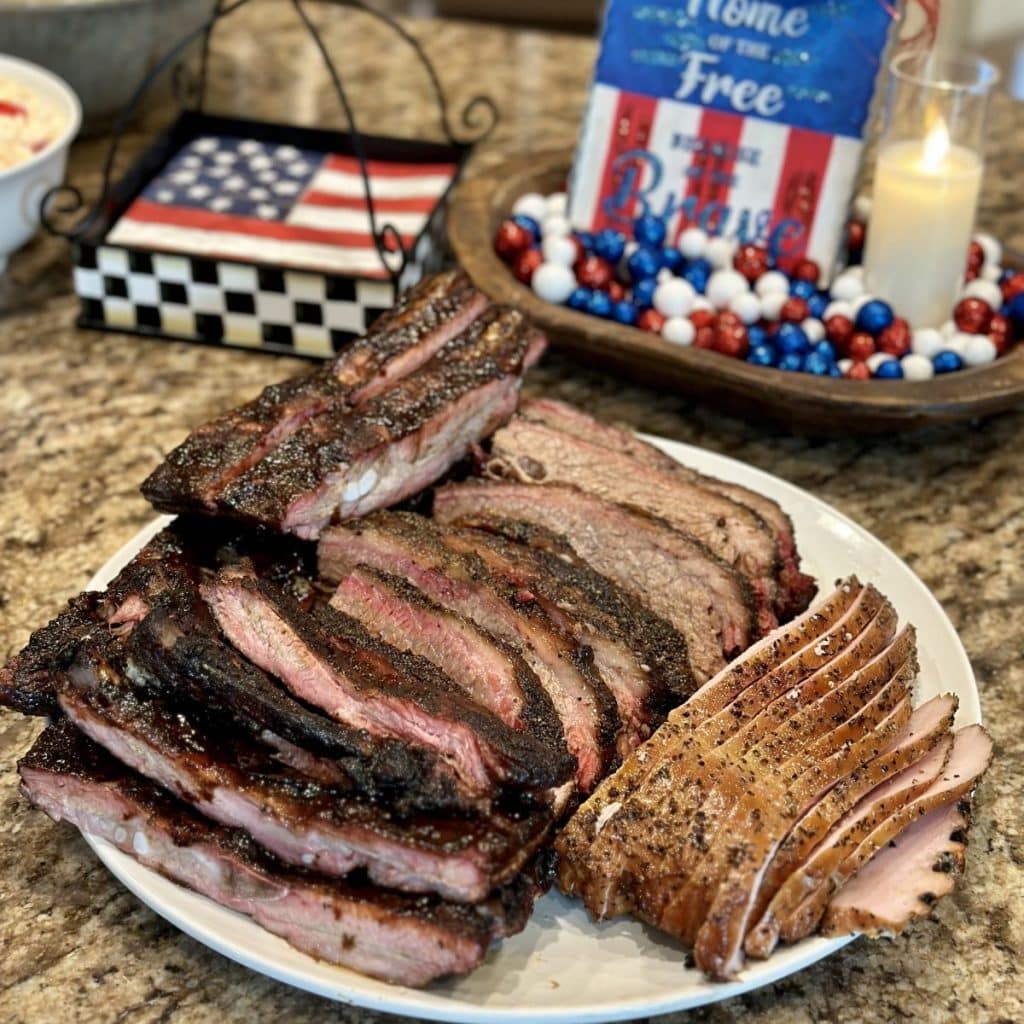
(344, 463)
(412, 547)
(400, 938)
(327, 828)
(330, 660)
(192, 475)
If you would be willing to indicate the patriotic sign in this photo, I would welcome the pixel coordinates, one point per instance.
(742, 117)
(230, 197)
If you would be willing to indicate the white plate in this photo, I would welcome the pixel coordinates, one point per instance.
(563, 967)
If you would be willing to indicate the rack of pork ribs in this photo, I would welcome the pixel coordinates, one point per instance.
(364, 726)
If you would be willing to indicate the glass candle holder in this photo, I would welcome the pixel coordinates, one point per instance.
(927, 180)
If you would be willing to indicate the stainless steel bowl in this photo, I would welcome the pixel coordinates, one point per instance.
(101, 48)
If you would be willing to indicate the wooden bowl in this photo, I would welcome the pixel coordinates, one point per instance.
(800, 401)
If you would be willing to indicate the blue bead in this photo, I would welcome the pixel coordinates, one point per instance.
(609, 244)
(624, 312)
(1014, 309)
(791, 339)
(756, 335)
(643, 292)
(817, 304)
(600, 303)
(579, 298)
(874, 316)
(672, 259)
(529, 223)
(890, 369)
(946, 361)
(791, 361)
(834, 371)
(816, 364)
(826, 350)
(802, 289)
(645, 262)
(1007, 273)
(586, 239)
(762, 355)
(649, 230)
(697, 273)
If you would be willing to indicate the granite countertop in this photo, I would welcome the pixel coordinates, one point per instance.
(84, 416)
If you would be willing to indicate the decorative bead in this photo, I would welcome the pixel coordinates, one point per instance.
(678, 330)
(814, 329)
(756, 335)
(693, 243)
(1000, 333)
(791, 361)
(772, 303)
(727, 318)
(719, 252)
(816, 364)
(731, 340)
(972, 315)
(751, 261)
(616, 291)
(806, 270)
(651, 320)
(773, 281)
(1014, 311)
(817, 304)
(987, 291)
(957, 342)
(862, 208)
(555, 224)
(664, 274)
(600, 304)
(802, 289)
(701, 302)
(875, 361)
(860, 347)
(672, 259)
(762, 355)
(855, 270)
(747, 306)
(895, 339)
(704, 338)
(698, 273)
(594, 272)
(579, 298)
(649, 230)
(674, 297)
(794, 310)
(645, 262)
(839, 330)
(838, 307)
(553, 282)
(532, 205)
(557, 203)
(609, 244)
(846, 287)
(561, 249)
(946, 362)
(526, 264)
(916, 367)
(947, 330)
(511, 239)
(979, 351)
(926, 341)
(826, 350)
(975, 256)
(1012, 286)
(585, 238)
(623, 312)
(643, 292)
(702, 318)
(844, 365)
(791, 339)
(858, 371)
(855, 234)
(990, 246)
(874, 316)
(529, 223)
(724, 285)
(891, 369)
(991, 272)
(971, 274)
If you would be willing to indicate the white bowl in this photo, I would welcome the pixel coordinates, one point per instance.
(23, 186)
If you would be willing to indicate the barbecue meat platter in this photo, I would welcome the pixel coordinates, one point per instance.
(414, 650)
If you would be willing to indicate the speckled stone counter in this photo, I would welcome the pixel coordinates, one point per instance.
(83, 417)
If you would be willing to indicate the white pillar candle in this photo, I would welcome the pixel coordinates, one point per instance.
(922, 217)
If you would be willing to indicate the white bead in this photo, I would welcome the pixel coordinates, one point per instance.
(557, 204)
(553, 282)
(978, 351)
(674, 297)
(948, 329)
(855, 270)
(747, 306)
(991, 246)
(724, 286)
(554, 224)
(772, 281)
(699, 303)
(664, 275)
(772, 303)
(958, 342)
(876, 359)
(814, 329)
(862, 207)
(991, 272)
(846, 287)
(838, 307)
(845, 364)
(917, 367)
(559, 249)
(719, 252)
(860, 300)
(531, 204)
(693, 242)
(678, 330)
(926, 341)
(987, 291)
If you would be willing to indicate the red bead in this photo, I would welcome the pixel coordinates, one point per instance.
(526, 263)
(651, 320)
(594, 272)
(861, 346)
(794, 310)
(727, 319)
(1001, 333)
(704, 337)
(702, 318)
(971, 274)
(975, 256)
(806, 270)
(839, 330)
(731, 341)
(895, 339)
(751, 261)
(511, 239)
(859, 371)
(855, 232)
(1013, 286)
(616, 291)
(973, 315)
